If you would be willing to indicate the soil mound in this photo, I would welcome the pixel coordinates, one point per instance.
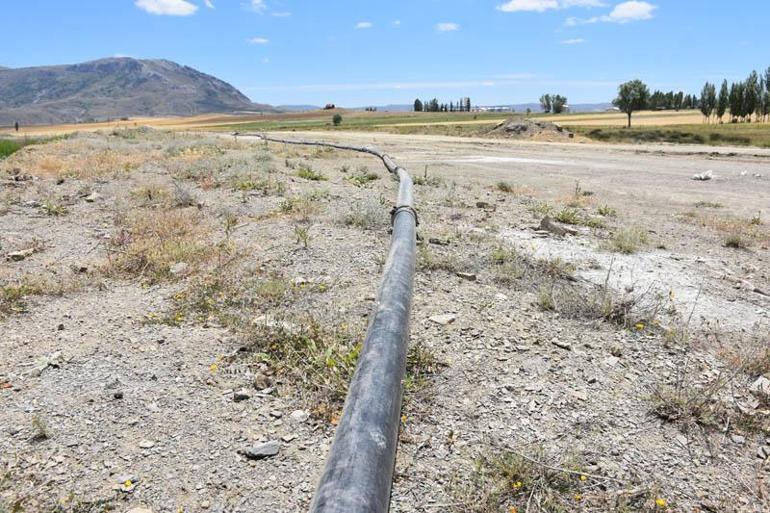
(530, 129)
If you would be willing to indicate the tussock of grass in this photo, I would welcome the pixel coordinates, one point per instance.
(628, 240)
(148, 244)
(708, 204)
(12, 297)
(266, 186)
(367, 214)
(309, 173)
(303, 208)
(507, 265)
(736, 241)
(607, 211)
(428, 260)
(363, 176)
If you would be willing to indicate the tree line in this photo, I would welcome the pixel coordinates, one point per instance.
(462, 105)
(744, 100)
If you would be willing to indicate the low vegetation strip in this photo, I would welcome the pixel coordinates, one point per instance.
(718, 135)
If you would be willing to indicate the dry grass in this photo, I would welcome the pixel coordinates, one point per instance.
(79, 158)
(506, 481)
(745, 231)
(628, 240)
(147, 244)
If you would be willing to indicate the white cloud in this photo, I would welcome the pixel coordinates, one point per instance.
(167, 7)
(630, 11)
(546, 5)
(625, 12)
(576, 41)
(397, 23)
(281, 14)
(258, 40)
(209, 4)
(258, 5)
(364, 25)
(265, 60)
(447, 27)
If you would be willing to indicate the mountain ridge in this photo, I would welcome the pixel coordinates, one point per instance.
(113, 88)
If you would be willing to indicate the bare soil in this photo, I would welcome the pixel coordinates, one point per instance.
(153, 284)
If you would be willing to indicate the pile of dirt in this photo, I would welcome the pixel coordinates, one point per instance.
(530, 129)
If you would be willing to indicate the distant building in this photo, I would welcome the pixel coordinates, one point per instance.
(500, 108)
(330, 106)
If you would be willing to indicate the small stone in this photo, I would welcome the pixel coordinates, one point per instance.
(299, 416)
(761, 387)
(241, 395)
(763, 452)
(146, 444)
(738, 439)
(561, 344)
(261, 451)
(261, 381)
(276, 414)
(18, 256)
(179, 268)
(288, 438)
(118, 395)
(94, 196)
(443, 320)
(467, 276)
(60, 327)
(703, 177)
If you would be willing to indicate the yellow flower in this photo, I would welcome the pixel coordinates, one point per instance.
(403, 419)
(214, 368)
(661, 503)
(128, 484)
(639, 326)
(517, 485)
(513, 510)
(583, 478)
(578, 497)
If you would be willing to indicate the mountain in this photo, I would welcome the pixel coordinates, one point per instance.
(114, 88)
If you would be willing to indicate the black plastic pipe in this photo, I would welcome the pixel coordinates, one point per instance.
(358, 475)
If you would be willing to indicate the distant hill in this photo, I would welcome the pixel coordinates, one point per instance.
(114, 88)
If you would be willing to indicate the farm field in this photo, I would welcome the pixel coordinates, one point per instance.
(200, 295)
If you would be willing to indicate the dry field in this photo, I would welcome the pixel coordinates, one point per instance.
(644, 118)
(169, 301)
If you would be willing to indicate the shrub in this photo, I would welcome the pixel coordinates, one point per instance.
(337, 119)
(628, 240)
(308, 173)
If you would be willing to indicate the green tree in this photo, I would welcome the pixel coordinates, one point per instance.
(724, 100)
(708, 100)
(337, 119)
(545, 103)
(558, 103)
(751, 95)
(632, 96)
(417, 105)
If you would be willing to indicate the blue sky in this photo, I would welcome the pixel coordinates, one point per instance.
(357, 52)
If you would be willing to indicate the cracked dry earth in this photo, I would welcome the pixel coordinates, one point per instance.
(153, 284)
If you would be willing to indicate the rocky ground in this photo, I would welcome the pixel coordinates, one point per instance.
(181, 313)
